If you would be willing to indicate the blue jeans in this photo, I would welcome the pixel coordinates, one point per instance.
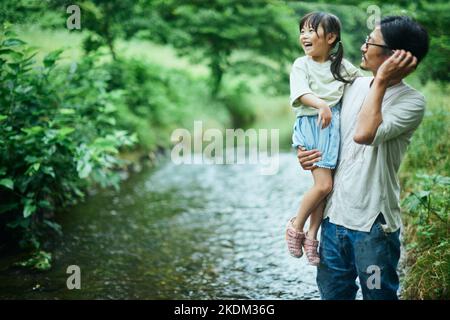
(346, 254)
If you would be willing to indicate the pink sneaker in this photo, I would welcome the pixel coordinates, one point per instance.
(294, 239)
(311, 246)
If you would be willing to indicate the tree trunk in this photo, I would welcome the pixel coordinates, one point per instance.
(110, 43)
(216, 76)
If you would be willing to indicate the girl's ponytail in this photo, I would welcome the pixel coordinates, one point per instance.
(336, 63)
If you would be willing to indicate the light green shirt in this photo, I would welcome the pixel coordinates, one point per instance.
(365, 180)
(309, 76)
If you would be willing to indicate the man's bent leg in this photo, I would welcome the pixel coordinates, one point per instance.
(336, 273)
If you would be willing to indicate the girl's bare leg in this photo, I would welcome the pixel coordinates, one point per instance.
(323, 183)
(315, 219)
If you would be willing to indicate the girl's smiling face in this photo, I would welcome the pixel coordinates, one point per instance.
(315, 44)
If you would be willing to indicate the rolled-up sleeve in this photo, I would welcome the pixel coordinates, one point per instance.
(298, 82)
(399, 118)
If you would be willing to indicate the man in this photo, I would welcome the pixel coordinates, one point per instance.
(361, 226)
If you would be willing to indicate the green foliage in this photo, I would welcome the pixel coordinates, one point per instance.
(40, 260)
(426, 176)
(429, 245)
(429, 147)
(20, 11)
(62, 128)
(106, 21)
(212, 31)
(155, 100)
(57, 136)
(435, 17)
(429, 206)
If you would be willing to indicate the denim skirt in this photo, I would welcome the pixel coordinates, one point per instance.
(310, 135)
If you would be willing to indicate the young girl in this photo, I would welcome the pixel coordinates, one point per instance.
(317, 83)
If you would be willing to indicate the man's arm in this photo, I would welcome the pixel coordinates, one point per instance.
(370, 117)
(398, 66)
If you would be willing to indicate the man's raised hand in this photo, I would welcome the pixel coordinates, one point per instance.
(397, 67)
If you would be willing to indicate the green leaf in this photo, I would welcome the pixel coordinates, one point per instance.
(3, 117)
(19, 222)
(423, 194)
(29, 59)
(29, 209)
(8, 207)
(105, 144)
(14, 67)
(54, 226)
(64, 132)
(7, 183)
(40, 260)
(49, 171)
(66, 111)
(31, 159)
(12, 42)
(33, 169)
(109, 107)
(50, 59)
(412, 203)
(445, 181)
(6, 51)
(84, 169)
(17, 56)
(33, 130)
(45, 204)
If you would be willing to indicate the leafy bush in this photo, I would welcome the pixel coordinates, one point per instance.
(40, 260)
(149, 99)
(156, 100)
(429, 208)
(429, 244)
(57, 136)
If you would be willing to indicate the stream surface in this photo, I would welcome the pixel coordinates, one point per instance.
(179, 232)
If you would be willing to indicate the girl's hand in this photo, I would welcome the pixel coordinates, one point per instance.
(324, 116)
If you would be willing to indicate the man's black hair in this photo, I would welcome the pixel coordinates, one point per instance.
(402, 32)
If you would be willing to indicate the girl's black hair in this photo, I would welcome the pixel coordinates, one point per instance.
(330, 24)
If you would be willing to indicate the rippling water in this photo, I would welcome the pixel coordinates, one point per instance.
(180, 232)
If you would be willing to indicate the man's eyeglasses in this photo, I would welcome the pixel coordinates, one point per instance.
(367, 43)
